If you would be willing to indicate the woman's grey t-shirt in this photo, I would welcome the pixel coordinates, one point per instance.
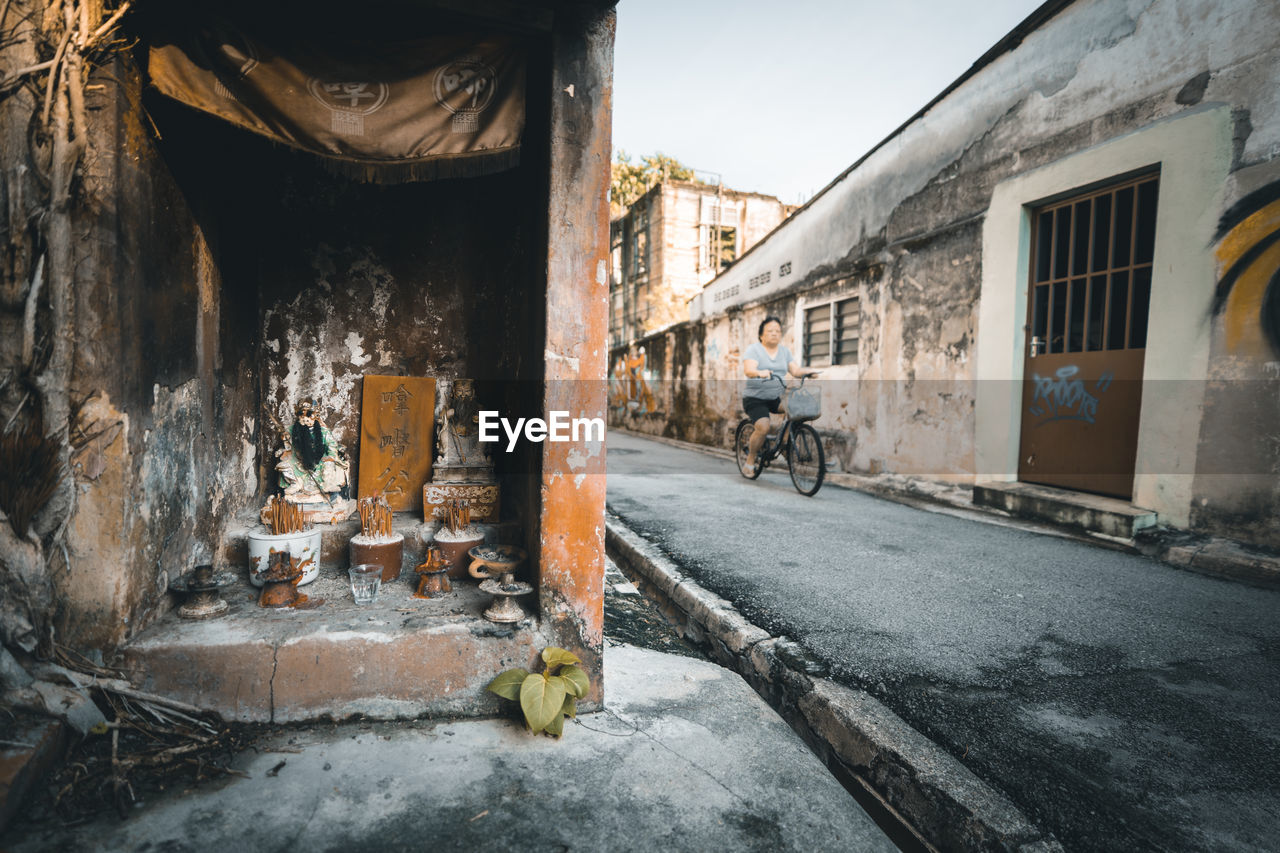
(766, 389)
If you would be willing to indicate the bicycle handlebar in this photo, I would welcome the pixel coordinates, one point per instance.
(782, 379)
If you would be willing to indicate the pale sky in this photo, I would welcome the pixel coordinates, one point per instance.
(780, 97)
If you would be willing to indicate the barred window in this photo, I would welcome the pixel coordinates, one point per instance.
(848, 316)
(1091, 269)
(717, 246)
(640, 242)
(817, 335)
(831, 333)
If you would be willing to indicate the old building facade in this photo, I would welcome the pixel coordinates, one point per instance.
(1061, 271)
(671, 242)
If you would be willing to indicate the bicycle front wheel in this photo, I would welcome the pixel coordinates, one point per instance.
(806, 460)
(741, 448)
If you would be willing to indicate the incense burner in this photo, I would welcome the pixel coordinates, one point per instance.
(280, 585)
(433, 576)
(302, 547)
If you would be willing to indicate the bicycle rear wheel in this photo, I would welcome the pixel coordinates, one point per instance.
(805, 459)
(741, 448)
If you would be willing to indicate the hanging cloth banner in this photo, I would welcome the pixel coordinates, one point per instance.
(448, 106)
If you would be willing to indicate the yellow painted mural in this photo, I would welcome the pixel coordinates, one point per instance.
(1248, 253)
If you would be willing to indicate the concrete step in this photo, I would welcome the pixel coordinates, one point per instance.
(1095, 514)
(400, 657)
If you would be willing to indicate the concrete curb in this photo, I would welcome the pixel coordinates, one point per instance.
(1212, 556)
(941, 800)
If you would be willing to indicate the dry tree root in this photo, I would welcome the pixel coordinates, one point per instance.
(154, 743)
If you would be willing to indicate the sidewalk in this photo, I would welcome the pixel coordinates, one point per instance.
(685, 756)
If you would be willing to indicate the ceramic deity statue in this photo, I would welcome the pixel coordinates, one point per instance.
(313, 468)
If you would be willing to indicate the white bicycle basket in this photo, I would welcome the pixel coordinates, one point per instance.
(804, 404)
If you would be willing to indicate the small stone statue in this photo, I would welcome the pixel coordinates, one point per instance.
(458, 432)
(463, 468)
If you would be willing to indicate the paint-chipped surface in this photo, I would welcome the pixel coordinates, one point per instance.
(571, 547)
(160, 450)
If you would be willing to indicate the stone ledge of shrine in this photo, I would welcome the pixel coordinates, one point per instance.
(400, 657)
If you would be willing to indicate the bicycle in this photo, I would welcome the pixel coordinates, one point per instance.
(798, 440)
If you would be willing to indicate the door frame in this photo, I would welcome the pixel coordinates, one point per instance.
(1193, 152)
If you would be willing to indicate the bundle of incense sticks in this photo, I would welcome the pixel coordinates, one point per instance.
(457, 514)
(375, 517)
(284, 517)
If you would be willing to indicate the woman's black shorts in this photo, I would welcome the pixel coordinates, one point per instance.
(758, 408)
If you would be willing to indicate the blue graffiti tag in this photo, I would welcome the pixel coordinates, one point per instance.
(1065, 397)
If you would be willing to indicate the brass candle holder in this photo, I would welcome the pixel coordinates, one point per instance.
(433, 576)
(496, 566)
(280, 584)
(201, 586)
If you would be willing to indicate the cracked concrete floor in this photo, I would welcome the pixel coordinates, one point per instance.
(685, 756)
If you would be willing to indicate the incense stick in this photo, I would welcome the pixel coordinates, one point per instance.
(284, 517)
(375, 517)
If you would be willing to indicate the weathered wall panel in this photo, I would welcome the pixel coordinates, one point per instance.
(158, 464)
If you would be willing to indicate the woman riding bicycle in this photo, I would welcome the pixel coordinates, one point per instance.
(761, 362)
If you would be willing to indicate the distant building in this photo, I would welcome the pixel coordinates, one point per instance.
(673, 240)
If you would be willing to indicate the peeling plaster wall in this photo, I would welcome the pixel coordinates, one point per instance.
(571, 512)
(902, 230)
(390, 280)
(326, 280)
(160, 434)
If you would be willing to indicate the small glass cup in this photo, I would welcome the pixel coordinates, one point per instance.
(366, 578)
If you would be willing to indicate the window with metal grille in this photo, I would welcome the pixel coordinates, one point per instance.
(713, 242)
(831, 333)
(817, 335)
(848, 317)
(640, 242)
(1091, 269)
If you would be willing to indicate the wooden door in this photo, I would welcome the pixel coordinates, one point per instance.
(1087, 310)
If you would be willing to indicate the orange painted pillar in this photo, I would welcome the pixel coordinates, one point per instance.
(571, 582)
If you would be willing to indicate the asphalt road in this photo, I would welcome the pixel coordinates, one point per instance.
(1119, 702)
